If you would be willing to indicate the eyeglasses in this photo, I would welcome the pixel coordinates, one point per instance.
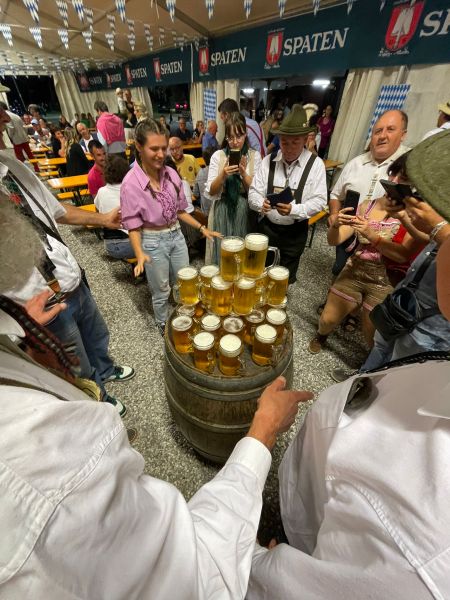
(236, 138)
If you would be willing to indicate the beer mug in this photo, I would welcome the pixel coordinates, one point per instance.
(244, 296)
(181, 333)
(277, 285)
(211, 324)
(231, 256)
(186, 291)
(277, 318)
(221, 296)
(233, 325)
(255, 253)
(252, 321)
(204, 353)
(263, 345)
(230, 348)
(261, 284)
(186, 310)
(281, 306)
(207, 272)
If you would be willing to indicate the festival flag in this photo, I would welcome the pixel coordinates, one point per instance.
(63, 11)
(281, 6)
(196, 43)
(6, 31)
(131, 40)
(79, 9)
(64, 35)
(89, 14)
(382, 3)
(210, 7)
(316, 5)
(32, 6)
(120, 5)
(248, 7)
(349, 6)
(112, 22)
(88, 38)
(148, 36)
(171, 8)
(110, 39)
(162, 36)
(36, 33)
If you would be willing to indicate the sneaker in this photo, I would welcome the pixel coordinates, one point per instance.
(317, 343)
(121, 408)
(340, 375)
(122, 373)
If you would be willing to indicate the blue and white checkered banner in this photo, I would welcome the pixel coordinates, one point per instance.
(148, 36)
(36, 33)
(88, 38)
(64, 36)
(132, 40)
(171, 8)
(32, 6)
(316, 5)
(89, 14)
(349, 5)
(120, 5)
(110, 39)
(209, 105)
(63, 11)
(392, 97)
(79, 9)
(112, 22)
(6, 31)
(162, 35)
(248, 7)
(281, 7)
(210, 7)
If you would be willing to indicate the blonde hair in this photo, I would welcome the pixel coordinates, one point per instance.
(72, 138)
(140, 106)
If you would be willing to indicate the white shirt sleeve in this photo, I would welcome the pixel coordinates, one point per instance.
(314, 198)
(338, 191)
(258, 188)
(187, 192)
(101, 139)
(214, 168)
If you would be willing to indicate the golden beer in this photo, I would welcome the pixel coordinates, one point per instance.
(188, 285)
(255, 254)
(230, 347)
(252, 321)
(244, 296)
(265, 336)
(204, 354)
(233, 325)
(231, 257)
(186, 310)
(277, 285)
(277, 318)
(221, 296)
(181, 333)
(210, 323)
(261, 288)
(207, 272)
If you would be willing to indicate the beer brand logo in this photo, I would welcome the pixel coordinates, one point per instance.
(403, 25)
(274, 48)
(157, 68)
(203, 60)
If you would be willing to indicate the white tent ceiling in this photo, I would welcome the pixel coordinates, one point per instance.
(190, 22)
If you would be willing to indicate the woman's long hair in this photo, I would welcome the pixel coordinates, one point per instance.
(71, 136)
(235, 125)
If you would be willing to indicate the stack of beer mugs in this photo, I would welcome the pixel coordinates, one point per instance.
(224, 310)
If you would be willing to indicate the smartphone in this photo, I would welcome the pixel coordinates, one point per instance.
(283, 197)
(351, 200)
(234, 158)
(394, 191)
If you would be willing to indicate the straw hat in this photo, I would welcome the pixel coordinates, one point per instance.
(445, 108)
(295, 123)
(3, 88)
(427, 168)
(311, 110)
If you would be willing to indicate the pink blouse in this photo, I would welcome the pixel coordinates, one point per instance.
(141, 206)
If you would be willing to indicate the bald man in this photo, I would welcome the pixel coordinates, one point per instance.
(186, 164)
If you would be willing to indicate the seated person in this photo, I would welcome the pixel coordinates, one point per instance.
(199, 132)
(186, 164)
(85, 136)
(77, 163)
(96, 178)
(182, 132)
(209, 139)
(117, 243)
(198, 193)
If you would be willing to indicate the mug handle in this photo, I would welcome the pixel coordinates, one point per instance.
(176, 293)
(276, 258)
(211, 357)
(238, 261)
(241, 370)
(276, 354)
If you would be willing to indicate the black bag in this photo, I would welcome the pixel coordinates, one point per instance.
(401, 311)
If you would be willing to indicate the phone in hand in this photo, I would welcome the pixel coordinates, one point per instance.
(351, 200)
(283, 197)
(234, 158)
(397, 192)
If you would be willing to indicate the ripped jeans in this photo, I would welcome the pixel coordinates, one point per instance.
(168, 253)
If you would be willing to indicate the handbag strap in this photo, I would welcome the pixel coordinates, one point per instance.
(422, 270)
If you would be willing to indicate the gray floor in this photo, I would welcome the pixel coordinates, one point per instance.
(136, 342)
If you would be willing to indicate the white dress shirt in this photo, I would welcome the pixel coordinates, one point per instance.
(364, 495)
(81, 520)
(255, 136)
(217, 163)
(314, 198)
(67, 271)
(436, 130)
(108, 198)
(16, 129)
(362, 174)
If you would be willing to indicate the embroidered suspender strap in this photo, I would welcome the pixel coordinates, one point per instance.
(301, 186)
(272, 166)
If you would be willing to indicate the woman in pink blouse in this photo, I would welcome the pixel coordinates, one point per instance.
(152, 201)
(326, 126)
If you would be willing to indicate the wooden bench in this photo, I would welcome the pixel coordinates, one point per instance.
(70, 195)
(95, 228)
(313, 222)
(48, 173)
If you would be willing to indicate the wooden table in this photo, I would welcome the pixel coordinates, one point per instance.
(194, 149)
(41, 150)
(71, 184)
(55, 162)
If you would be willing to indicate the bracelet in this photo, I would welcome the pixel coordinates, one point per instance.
(202, 227)
(436, 229)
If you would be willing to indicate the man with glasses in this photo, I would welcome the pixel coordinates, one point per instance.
(186, 164)
(182, 131)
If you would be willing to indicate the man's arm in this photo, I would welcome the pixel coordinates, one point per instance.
(78, 216)
(258, 188)
(314, 195)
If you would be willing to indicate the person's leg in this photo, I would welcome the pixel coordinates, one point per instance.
(335, 311)
(157, 272)
(380, 354)
(119, 248)
(292, 250)
(18, 152)
(367, 327)
(179, 255)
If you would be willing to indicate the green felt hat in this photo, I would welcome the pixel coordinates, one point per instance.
(295, 123)
(427, 167)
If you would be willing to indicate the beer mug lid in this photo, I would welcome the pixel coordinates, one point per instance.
(276, 316)
(204, 340)
(230, 345)
(209, 270)
(233, 324)
(182, 323)
(187, 273)
(220, 284)
(232, 244)
(211, 322)
(266, 334)
(257, 316)
(256, 241)
(278, 273)
(187, 310)
(245, 284)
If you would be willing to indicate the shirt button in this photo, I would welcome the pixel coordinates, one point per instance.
(427, 253)
(413, 270)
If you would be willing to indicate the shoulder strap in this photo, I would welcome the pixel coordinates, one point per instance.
(422, 269)
(272, 165)
(301, 186)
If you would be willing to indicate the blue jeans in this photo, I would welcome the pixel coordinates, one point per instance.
(119, 248)
(82, 326)
(168, 253)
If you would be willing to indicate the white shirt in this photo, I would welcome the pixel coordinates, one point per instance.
(217, 163)
(108, 198)
(188, 193)
(364, 495)
(16, 129)
(314, 198)
(255, 136)
(362, 174)
(67, 271)
(440, 129)
(81, 520)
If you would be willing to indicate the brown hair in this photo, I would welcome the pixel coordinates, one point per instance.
(116, 167)
(235, 124)
(143, 129)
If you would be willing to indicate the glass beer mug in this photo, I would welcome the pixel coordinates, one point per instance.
(207, 272)
(252, 321)
(181, 334)
(233, 325)
(231, 256)
(261, 289)
(211, 324)
(277, 318)
(204, 353)
(244, 296)
(263, 345)
(255, 253)
(187, 289)
(278, 279)
(221, 296)
(230, 348)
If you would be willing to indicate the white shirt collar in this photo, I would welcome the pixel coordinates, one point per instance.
(9, 326)
(300, 161)
(368, 158)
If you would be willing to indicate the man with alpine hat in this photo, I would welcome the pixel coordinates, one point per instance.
(443, 121)
(293, 166)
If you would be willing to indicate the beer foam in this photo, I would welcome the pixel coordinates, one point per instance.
(278, 273)
(204, 340)
(257, 316)
(187, 273)
(245, 284)
(220, 284)
(182, 323)
(256, 241)
(209, 270)
(232, 244)
(211, 321)
(230, 345)
(233, 324)
(276, 317)
(266, 333)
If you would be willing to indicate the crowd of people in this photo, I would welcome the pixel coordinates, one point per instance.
(354, 517)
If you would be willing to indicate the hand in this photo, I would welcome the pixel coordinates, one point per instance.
(422, 215)
(242, 167)
(266, 207)
(210, 235)
(229, 170)
(139, 268)
(284, 209)
(332, 219)
(362, 226)
(276, 411)
(35, 307)
(112, 219)
(344, 218)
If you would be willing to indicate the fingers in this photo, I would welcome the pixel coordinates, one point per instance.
(53, 312)
(349, 209)
(273, 542)
(277, 385)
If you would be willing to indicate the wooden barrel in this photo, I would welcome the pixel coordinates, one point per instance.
(213, 412)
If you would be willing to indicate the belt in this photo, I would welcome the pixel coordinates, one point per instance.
(61, 297)
(173, 227)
